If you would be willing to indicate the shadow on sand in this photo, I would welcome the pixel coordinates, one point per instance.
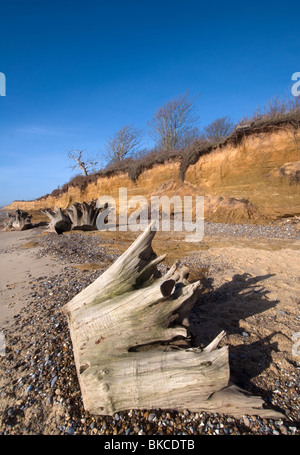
(223, 309)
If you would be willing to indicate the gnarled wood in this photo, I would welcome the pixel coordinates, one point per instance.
(59, 221)
(124, 328)
(83, 215)
(18, 221)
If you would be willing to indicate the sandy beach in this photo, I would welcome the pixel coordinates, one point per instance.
(19, 266)
(251, 279)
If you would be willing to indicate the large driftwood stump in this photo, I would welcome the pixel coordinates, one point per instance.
(18, 221)
(124, 328)
(59, 221)
(83, 215)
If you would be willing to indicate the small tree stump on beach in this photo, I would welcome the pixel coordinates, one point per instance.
(18, 221)
(130, 330)
(59, 221)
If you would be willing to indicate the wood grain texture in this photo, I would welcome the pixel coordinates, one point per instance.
(130, 335)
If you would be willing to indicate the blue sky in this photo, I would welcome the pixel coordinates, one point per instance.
(77, 71)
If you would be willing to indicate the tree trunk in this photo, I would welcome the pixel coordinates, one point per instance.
(128, 330)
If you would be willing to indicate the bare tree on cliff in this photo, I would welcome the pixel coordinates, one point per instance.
(85, 165)
(174, 123)
(218, 129)
(124, 143)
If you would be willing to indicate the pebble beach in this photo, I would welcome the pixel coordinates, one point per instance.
(39, 390)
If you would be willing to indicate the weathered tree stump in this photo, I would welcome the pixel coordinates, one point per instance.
(83, 215)
(79, 216)
(59, 221)
(18, 221)
(124, 328)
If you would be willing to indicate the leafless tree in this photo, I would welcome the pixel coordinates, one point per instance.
(276, 106)
(293, 103)
(85, 165)
(219, 128)
(126, 142)
(173, 123)
(191, 136)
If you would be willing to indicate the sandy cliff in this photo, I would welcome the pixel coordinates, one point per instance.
(256, 179)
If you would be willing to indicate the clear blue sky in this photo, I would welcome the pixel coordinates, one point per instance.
(77, 71)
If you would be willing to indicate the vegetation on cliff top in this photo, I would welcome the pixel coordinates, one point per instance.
(276, 115)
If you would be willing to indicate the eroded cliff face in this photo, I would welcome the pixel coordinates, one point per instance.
(264, 169)
(255, 181)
